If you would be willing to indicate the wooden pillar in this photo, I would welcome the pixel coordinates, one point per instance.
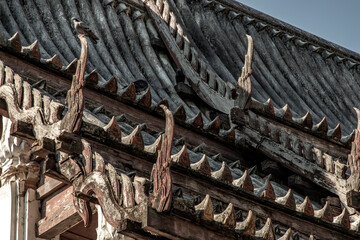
(19, 208)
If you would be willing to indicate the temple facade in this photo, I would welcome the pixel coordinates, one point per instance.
(201, 119)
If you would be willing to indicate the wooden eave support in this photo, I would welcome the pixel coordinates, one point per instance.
(286, 156)
(96, 98)
(181, 173)
(63, 215)
(177, 227)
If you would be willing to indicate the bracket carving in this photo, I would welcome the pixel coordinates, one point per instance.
(353, 182)
(119, 197)
(75, 97)
(160, 175)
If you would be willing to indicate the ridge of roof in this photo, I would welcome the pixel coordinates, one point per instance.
(290, 28)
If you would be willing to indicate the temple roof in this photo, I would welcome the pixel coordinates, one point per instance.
(190, 55)
(290, 66)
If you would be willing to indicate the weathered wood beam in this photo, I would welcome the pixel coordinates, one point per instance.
(177, 227)
(50, 186)
(59, 214)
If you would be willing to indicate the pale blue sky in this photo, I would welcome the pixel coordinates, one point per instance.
(337, 21)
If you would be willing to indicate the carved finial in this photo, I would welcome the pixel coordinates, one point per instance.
(305, 121)
(110, 86)
(160, 175)
(269, 107)
(180, 113)
(214, 126)
(153, 148)
(247, 227)
(75, 96)
(305, 207)
(202, 165)
(129, 93)
(113, 129)
(92, 79)
(234, 15)
(71, 67)
(145, 99)
(223, 174)
(54, 61)
(205, 209)
(266, 191)
(244, 182)
(228, 135)
(244, 82)
(197, 121)
(284, 113)
(343, 219)
(324, 213)
(15, 42)
(267, 231)
(336, 132)
(321, 127)
(227, 217)
(134, 138)
(32, 51)
(182, 157)
(288, 200)
(348, 139)
(288, 235)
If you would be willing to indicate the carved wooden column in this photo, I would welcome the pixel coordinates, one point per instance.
(19, 177)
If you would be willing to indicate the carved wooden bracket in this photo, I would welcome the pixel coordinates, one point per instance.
(244, 90)
(119, 197)
(353, 182)
(160, 175)
(75, 97)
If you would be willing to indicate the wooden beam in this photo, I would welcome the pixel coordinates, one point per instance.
(59, 214)
(50, 186)
(172, 226)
